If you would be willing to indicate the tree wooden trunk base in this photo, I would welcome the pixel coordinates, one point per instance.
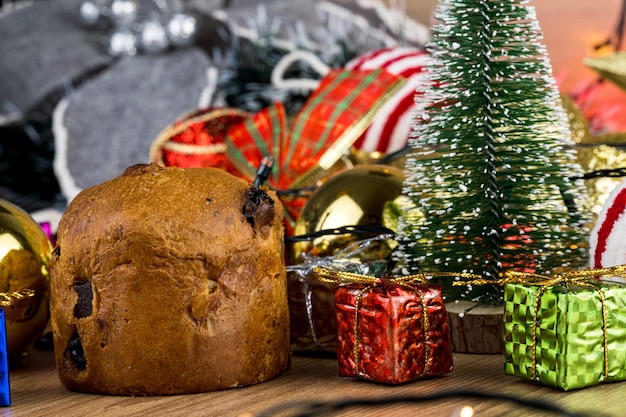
(476, 328)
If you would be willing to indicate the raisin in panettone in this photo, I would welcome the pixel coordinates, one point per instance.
(170, 281)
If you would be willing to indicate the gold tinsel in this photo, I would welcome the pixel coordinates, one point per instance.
(606, 151)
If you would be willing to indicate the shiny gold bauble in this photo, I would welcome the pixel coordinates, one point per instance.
(365, 195)
(25, 253)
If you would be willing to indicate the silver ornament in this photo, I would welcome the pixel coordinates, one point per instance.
(122, 42)
(89, 13)
(153, 37)
(181, 29)
(123, 12)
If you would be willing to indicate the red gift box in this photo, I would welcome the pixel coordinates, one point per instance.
(392, 333)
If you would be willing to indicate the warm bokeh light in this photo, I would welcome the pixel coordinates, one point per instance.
(466, 411)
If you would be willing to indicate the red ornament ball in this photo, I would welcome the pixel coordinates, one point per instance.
(196, 140)
(606, 242)
(390, 129)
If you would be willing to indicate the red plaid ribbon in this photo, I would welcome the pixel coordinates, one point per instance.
(331, 120)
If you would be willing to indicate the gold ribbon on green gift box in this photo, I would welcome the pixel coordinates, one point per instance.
(565, 330)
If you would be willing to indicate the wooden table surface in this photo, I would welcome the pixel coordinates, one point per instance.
(36, 391)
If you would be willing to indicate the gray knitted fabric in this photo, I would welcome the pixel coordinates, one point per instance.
(110, 123)
(320, 21)
(42, 49)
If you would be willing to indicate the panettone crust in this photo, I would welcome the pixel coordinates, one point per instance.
(170, 281)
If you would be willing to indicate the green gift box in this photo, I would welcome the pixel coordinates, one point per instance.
(568, 336)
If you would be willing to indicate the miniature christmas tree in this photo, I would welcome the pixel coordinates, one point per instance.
(491, 176)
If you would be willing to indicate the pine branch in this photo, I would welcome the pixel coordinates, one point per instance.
(489, 177)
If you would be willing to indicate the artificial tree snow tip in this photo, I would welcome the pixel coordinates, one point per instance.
(491, 179)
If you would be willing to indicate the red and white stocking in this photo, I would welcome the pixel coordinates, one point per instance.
(608, 237)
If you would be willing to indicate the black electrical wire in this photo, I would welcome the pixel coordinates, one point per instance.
(618, 31)
(358, 229)
(317, 408)
(604, 173)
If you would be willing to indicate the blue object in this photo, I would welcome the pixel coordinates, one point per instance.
(5, 390)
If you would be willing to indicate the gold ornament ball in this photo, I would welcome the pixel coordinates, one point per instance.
(25, 253)
(366, 195)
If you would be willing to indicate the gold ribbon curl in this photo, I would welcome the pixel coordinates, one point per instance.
(568, 278)
(338, 277)
(11, 299)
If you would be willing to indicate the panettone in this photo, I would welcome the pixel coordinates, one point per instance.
(170, 281)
